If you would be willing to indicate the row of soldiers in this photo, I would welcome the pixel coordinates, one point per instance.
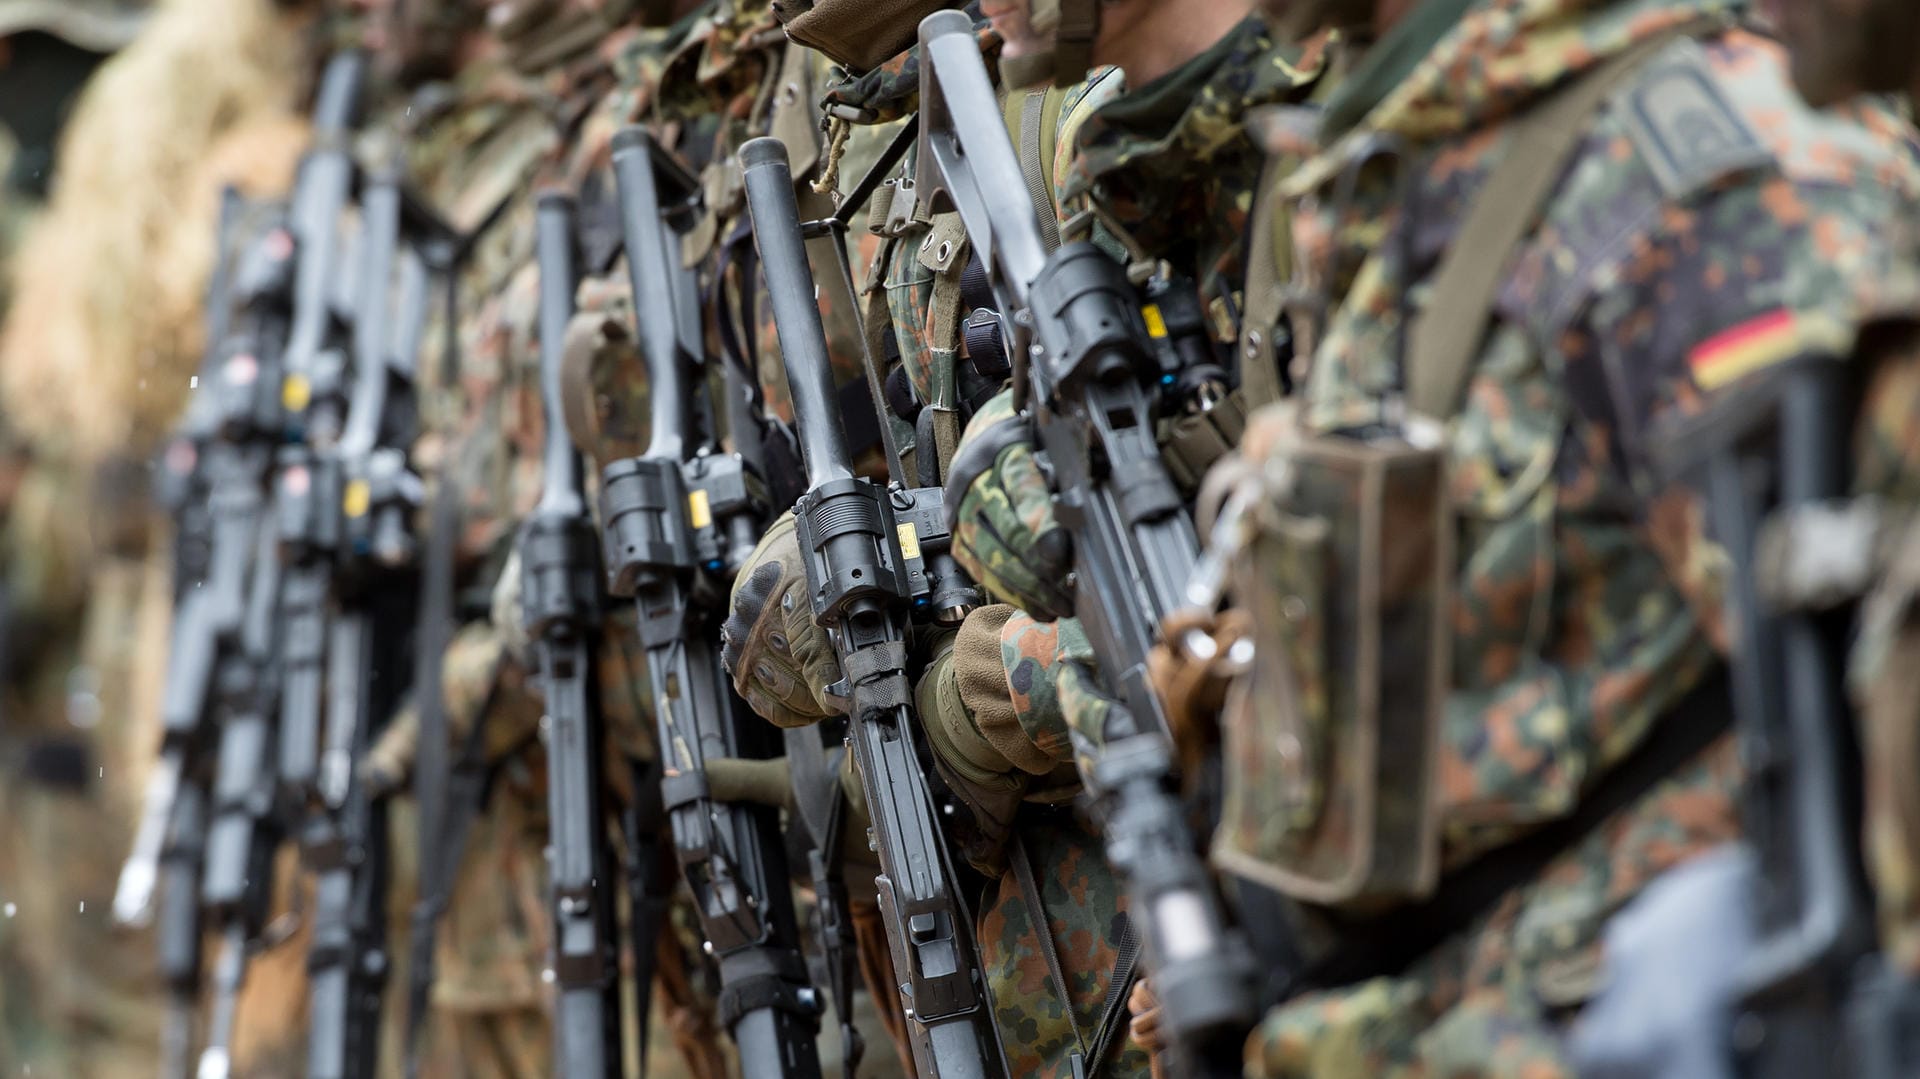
(1053, 538)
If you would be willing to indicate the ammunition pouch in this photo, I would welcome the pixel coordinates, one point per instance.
(1193, 441)
(1331, 741)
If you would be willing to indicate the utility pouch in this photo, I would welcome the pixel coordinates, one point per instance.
(1343, 566)
(859, 35)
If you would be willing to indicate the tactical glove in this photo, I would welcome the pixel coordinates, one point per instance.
(1001, 510)
(1086, 707)
(782, 663)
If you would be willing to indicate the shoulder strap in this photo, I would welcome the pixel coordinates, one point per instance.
(1444, 339)
(1027, 119)
(1265, 294)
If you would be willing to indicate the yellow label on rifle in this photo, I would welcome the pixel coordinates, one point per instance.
(296, 393)
(1156, 324)
(357, 499)
(699, 509)
(909, 540)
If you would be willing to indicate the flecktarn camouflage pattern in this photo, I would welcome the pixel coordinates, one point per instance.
(1587, 600)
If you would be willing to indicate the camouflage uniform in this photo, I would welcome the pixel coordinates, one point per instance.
(1587, 601)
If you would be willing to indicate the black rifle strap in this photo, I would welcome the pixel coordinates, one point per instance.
(650, 875)
(838, 950)
(1387, 944)
(460, 801)
(1126, 971)
(863, 190)
(447, 798)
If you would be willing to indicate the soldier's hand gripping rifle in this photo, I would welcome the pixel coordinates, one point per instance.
(679, 519)
(561, 592)
(344, 841)
(867, 566)
(1089, 381)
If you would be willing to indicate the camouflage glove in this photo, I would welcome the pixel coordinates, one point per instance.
(1001, 511)
(1086, 706)
(782, 663)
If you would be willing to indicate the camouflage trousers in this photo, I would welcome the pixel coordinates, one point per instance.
(1084, 915)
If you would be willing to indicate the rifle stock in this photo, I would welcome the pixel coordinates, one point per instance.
(670, 514)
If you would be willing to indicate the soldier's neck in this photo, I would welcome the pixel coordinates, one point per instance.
(1148, 38)
(1388, 13)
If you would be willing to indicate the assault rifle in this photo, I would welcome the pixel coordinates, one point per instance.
(182, 490)
(679, 521)
(344, 841)
(248, 791)
(1809, 993)
(873, 555)
(561, 593)
(212, 474)
(1088, 375)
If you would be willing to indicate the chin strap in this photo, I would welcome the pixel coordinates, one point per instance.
(1073, 40)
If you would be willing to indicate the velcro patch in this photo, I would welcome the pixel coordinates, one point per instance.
(1686, 130)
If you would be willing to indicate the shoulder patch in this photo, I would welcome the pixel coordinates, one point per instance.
(1686, 130)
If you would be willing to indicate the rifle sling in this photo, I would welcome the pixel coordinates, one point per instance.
(1386, 944)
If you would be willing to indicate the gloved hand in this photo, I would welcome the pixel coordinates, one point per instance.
(962, 696)
(1001, 512)
(1086, 706)
(781, 662)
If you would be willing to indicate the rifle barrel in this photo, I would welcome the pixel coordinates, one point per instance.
(776, 232)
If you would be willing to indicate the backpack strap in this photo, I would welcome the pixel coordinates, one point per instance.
(1265, 295)
(1444, 339)
(1033, 119)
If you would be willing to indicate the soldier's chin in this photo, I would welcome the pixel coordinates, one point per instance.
(1822, 82)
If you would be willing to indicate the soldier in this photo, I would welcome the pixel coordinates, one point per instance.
(988, 697)
(1514, 347)
(515, 94)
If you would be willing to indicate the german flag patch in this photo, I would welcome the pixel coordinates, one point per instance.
(1757, 343)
